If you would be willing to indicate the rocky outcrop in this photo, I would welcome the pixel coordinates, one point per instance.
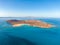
(36, 23)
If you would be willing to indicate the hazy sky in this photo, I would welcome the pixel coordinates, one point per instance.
(37, 8)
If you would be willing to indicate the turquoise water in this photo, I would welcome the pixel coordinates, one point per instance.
(28, 35)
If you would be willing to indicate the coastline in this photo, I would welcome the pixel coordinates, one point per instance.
(34, 23)
(16, 25)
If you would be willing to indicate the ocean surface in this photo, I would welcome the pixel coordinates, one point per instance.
(29, 35)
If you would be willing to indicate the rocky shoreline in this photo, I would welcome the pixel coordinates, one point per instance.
(36, 23)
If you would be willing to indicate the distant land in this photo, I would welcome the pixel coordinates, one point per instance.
(28, 18)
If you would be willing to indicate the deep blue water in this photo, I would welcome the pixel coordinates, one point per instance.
(28, 35)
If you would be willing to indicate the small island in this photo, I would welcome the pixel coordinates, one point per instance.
(36, 23)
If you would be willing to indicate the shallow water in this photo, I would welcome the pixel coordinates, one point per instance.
(28, 35)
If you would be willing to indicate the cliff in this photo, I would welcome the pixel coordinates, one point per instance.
(36, 23)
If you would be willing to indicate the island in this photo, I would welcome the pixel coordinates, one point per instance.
(36, 23)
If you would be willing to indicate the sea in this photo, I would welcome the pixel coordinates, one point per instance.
(29, 35)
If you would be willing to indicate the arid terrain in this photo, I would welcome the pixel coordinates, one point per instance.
(36, 23)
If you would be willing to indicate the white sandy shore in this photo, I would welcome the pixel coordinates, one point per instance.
(16, 25)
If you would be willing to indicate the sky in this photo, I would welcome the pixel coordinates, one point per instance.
(33, 8)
